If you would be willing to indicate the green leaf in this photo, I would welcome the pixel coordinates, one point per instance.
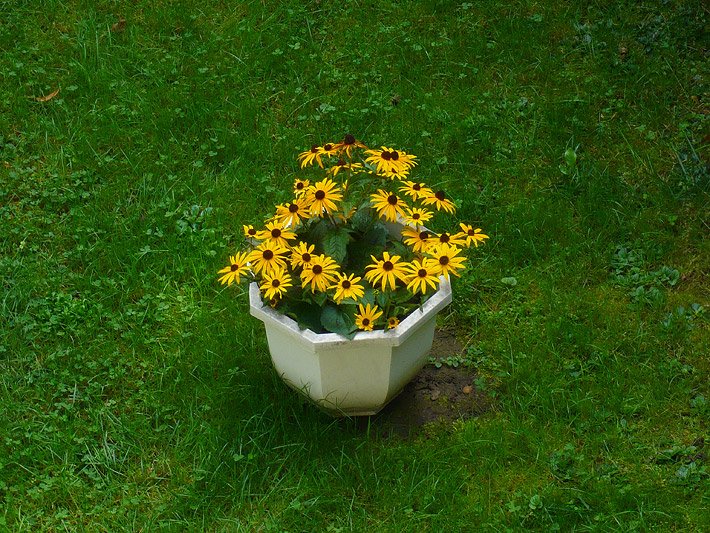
(307, 315)
(376, 235)
(337, 321)
(362, 219)
(335, 244)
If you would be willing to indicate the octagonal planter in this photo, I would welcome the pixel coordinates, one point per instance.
(350, 377)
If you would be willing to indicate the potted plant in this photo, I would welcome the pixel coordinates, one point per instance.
(348, 277)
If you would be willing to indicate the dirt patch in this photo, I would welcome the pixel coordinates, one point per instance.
(434, 396)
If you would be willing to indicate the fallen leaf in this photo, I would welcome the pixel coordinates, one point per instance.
(119, 26)
(48, 97)
(467, 389)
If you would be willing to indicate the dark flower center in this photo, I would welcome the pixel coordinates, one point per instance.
(424, 235)
(314, 149)
(443, 260)
(394, 155)
(416, 216)
(306, 258)
(317, 269)
(267, 254)
(392, 199)
(341, 163)
(349, 139)
(387, 266)
(293, 208)
(365, 321)
(471, 232)
(320, 195)
(444, 237)
(417, 186)
(275, 283)
(328, 147)
(251, 231)
(422, 273)
(235, 267)
(393, 321)
(276, 233)
(300, 185)
(440, 195)
(386, 155)
(345, 284)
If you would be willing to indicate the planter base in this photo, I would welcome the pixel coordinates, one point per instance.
(346, 377)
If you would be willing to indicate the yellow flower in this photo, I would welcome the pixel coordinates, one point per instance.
(329, 149)
(322, 197)
(397, 174)
(300, 187)
(249, 232)
(418, 239)
(445, 259)
(267, 257)
(344, 165)
(417, 216)
(471, 235)
(367, 317)
(390, 160)
(447, 238)
(292, 213)
(314, 154)
(302, 255)
(321, 273)
(275, 283)
(238, 266)
(388, 205)
(386, 269)
(348, 144)
(422, 273)
(415, 190)
(392, 322)
(276, 233)
(440, 201)
(347, 286)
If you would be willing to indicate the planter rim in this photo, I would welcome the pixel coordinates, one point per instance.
(394, 337)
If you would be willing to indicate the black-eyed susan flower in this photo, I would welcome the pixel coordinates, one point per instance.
(276, 233)
(415, 190)
(321, 274)
(329, 150)
(249, 232)
(396, 174)
(384, 160)
(366, 318)
(267, 257)
(405, 159)
(302, 255)
(238, 266)
(471, 235)
(440, 201)
(300, 187)
(388, 205)
(322, 197)
(386, 270)
(422, 273)
(418, 238)
(275, 283)
(291, 214)
(309, 156)
(447, 238)
(417, 216)
(445, 259)
(392, 322)
(348, 144)
(347, 286)
(344, 165)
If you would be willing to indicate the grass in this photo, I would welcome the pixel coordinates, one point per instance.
(135, 393)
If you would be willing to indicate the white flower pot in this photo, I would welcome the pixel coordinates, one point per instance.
(350, 377)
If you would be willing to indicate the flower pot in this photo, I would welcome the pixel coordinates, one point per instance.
(350, 377)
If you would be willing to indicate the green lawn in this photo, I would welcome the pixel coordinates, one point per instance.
(137, 393)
